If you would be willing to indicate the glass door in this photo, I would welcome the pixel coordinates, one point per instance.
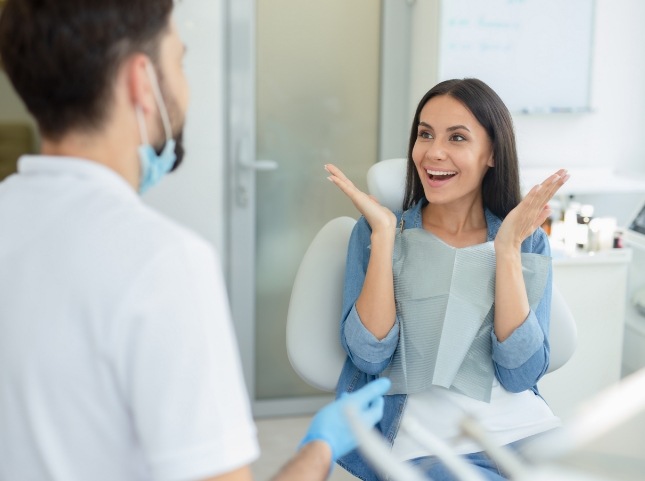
(304, 87)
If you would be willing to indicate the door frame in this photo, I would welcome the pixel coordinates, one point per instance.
(240, 134)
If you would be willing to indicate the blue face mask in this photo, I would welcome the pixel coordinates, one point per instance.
(154, 165)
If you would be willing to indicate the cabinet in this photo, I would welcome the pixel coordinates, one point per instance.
(595, 287)
(634, 344)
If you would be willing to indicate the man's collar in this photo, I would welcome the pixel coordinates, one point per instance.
(53, 165)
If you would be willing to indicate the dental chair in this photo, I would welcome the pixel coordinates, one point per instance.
(313, 333)
(313, 319)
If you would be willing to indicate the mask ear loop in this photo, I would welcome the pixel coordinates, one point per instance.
(142, 124)
(165, 120)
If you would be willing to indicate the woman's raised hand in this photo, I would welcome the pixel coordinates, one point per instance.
(530, 213)
(378, 216)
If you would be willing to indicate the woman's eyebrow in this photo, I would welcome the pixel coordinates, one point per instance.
(457, 127)
(449, 129)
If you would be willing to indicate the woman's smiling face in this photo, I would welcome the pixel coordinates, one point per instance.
(452, 152)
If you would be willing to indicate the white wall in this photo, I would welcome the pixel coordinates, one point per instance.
(194, 194)
(610, 136)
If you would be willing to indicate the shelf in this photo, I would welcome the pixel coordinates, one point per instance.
(608, 256)
(586, 181)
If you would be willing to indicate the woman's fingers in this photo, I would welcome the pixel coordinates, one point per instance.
(336, 173)
(357, 196)
(544, 215)
(377, 215)
(541, 194)
(534, 209)
(338, 178)
(553, 183)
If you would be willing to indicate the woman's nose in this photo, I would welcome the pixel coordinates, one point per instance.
(436, 150)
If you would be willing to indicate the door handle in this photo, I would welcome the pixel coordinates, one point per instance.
(242, 195)
(259, 165)
(244, 161)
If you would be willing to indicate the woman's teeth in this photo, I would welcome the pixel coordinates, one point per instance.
(440, 175)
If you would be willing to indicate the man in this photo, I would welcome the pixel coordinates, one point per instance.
(117, 356)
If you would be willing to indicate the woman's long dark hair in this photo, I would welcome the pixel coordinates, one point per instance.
(501, 184)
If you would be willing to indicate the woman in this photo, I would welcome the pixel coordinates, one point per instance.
(435, 296)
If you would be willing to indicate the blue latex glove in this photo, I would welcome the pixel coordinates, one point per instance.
(330, 423)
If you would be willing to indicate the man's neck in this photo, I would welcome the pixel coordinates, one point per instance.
(100, 148)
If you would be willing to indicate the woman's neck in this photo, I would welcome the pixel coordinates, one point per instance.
(459, 225)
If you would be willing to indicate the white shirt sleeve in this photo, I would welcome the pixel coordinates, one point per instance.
(178, 367)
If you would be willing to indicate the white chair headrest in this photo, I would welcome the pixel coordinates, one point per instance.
(386, 182)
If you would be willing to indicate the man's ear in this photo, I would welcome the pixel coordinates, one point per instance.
(139, 82)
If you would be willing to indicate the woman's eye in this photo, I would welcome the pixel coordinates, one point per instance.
(458, 138)
(425, 135)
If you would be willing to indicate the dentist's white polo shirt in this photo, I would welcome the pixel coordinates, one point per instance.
(117, 354)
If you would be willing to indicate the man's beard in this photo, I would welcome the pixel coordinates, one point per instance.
(179, 148)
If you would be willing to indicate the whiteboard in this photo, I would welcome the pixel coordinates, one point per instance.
(536, 54)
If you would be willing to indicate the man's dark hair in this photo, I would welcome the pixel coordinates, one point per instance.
(62, 55)
(501, 184)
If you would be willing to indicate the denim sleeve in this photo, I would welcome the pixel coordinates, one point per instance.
(368, 353)
(523, 358)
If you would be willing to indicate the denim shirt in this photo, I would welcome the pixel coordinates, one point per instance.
(519, 361)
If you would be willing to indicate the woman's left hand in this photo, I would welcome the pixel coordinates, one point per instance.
(530, 213)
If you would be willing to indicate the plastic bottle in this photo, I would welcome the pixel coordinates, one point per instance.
(583, 217)
(571, 225)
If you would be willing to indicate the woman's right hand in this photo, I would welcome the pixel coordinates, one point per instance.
(378, 217)
(375, 304)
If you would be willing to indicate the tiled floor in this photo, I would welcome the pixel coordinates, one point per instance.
(279, 438)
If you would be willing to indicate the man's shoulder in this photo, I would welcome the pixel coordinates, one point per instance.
(152, 234)
(127, 240)
(157, 226)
